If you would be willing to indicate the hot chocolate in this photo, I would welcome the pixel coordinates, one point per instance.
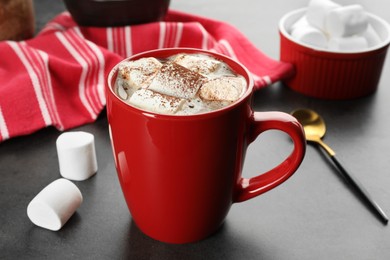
(183, 84)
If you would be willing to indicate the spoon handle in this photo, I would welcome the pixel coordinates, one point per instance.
(362, 191)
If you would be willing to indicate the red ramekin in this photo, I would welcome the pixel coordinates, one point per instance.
(333, 75)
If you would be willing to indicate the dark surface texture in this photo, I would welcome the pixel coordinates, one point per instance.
(314, 215)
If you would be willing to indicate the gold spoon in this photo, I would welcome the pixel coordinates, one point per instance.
(314, 127)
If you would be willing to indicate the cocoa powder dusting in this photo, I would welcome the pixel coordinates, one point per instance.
(182, 81)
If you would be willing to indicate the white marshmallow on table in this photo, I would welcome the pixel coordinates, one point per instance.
(371, 36)
(303, 32)
(346, 21)
(317, 12)
(352, 43)
(52, 207)
(76, 155)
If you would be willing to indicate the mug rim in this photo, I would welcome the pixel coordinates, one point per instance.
(171, 51)
(284, 31)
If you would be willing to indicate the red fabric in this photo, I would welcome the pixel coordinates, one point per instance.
(58, 77)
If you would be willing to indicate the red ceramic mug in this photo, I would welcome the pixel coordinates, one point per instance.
(181, 174)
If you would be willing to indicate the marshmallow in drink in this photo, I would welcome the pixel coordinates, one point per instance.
(346, 21)
(175, 80)
(52, 207)
(303, 32)
(223, 89)
(371, 36)
(156, 102)
(136, 74)
(317, 12)
(351, 43)
(76, 155)
(198, 63)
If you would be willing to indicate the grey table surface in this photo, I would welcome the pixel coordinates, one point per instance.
(314, 215)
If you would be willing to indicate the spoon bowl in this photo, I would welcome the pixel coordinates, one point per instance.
(314, 127)
(312, 122)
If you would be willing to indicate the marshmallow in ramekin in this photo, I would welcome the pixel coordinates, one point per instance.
(371, 36)
(52, 207)
(352, 43)
(306, 33)
(76, 155)
(317, 12)
(346, 21)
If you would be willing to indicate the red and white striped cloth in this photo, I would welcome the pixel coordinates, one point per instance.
(57, 78)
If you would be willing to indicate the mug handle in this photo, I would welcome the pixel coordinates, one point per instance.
(261, 122)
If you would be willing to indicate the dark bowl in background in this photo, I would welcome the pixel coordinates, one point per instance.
(103, 13)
